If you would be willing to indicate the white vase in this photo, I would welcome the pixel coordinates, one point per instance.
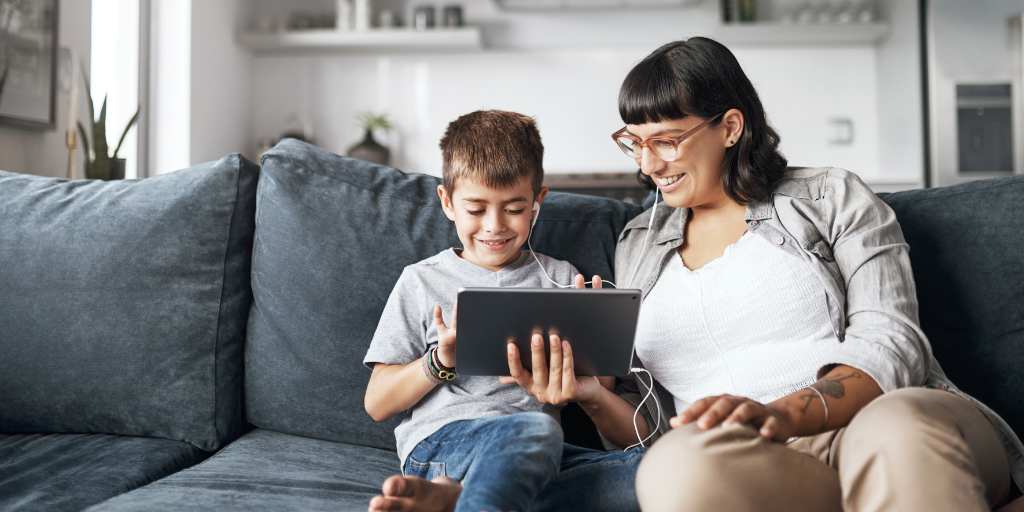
(362, 14)
(343, 21)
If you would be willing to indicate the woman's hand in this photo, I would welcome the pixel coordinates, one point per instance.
(554, 382)
(773, 424)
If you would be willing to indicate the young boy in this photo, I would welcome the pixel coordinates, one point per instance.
(474, 443)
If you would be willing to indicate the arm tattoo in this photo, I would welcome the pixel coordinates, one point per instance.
(808, 399)
(833, 387)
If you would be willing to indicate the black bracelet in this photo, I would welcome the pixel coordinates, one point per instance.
(439, 370)
(428, 369)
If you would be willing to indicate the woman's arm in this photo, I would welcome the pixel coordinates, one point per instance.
(845, 390)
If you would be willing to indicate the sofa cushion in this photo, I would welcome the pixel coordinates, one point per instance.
(266, 470)
(123, 303)
(332, 237)
(73, 471)
(967, 251)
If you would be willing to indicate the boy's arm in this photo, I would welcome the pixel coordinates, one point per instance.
(394, 388)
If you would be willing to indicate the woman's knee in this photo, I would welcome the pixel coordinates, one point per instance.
(897, 417)
(683, 471)
(897, 426)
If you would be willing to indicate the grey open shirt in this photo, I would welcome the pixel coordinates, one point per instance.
(854, 245)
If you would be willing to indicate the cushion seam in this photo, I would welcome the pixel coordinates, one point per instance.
(223, 285)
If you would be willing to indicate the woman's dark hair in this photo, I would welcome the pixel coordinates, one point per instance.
(701, 77)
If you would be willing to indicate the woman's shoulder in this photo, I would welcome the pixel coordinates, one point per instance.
(815, 183)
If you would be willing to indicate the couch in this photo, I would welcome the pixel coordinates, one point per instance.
(193, 341)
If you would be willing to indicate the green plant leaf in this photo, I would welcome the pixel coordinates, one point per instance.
(135, 117)
(99, 133)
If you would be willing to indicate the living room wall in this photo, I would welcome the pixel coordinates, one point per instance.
(43, 152)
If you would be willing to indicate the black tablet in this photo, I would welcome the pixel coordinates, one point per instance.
(599, 323)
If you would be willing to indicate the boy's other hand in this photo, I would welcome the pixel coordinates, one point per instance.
(445, 336)
(581, 282)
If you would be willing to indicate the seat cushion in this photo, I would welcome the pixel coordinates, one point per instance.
(73, 471)
(123, 303)
(266, 470)
(332, 237)
(967, 251)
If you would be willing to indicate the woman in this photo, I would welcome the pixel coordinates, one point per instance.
(780, 319)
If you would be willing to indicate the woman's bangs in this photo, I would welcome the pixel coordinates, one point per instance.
(651, 93)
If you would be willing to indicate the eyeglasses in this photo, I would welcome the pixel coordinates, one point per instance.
(665, 148)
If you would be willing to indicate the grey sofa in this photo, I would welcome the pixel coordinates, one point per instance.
(194, 341)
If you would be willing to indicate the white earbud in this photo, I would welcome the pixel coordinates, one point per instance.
(536, 214)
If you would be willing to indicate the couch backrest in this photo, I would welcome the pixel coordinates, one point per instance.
(332, 236)
(123, 304)
(967, 251)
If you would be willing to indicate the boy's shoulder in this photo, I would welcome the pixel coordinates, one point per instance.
(555, 266)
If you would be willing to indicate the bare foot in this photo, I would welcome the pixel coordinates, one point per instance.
(414, 494)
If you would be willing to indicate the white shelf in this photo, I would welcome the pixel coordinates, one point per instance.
(801, 34)
(379, 40)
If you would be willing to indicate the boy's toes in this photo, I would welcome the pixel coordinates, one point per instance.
(398, 485)
(386, 504)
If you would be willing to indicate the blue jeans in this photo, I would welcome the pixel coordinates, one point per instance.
(519, 462)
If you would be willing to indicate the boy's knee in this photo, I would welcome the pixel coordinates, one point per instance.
(537, 424)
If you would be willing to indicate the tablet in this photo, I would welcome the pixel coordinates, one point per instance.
(599, 323)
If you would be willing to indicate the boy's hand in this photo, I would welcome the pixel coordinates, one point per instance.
(554, 383)
(445, 336)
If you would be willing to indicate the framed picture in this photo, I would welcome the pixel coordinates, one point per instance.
(28, 62)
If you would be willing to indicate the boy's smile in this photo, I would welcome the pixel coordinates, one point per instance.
(493, 224)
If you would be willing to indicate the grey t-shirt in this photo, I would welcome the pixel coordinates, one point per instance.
(406, 330)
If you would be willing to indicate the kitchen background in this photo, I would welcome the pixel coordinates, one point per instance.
(899, 91)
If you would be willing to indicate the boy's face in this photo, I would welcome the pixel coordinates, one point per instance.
(493, 224)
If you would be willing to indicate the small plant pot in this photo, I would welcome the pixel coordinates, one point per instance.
(117, 166)
(370, 150)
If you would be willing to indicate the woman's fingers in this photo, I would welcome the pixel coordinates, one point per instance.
(579, 281)
(696, 409)
(747, 413)
(597, 283)
(718, 411)
(770, 428)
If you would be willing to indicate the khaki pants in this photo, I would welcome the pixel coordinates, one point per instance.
(913, 449)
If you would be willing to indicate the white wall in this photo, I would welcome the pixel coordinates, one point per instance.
(44, 152)
(565, 69)
(170, 85)
(967, 44)
(221, 74)
(900, 95)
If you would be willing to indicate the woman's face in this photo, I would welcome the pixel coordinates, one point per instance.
(694, 178)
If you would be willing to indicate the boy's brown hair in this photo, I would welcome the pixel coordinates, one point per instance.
(493, 147)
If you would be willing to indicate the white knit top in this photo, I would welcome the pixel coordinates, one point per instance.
(748, 323)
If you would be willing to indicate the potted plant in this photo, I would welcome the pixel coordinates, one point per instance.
(99, 163)
(369, 149)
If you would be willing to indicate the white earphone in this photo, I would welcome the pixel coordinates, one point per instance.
(529, 244)
(650, 391)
